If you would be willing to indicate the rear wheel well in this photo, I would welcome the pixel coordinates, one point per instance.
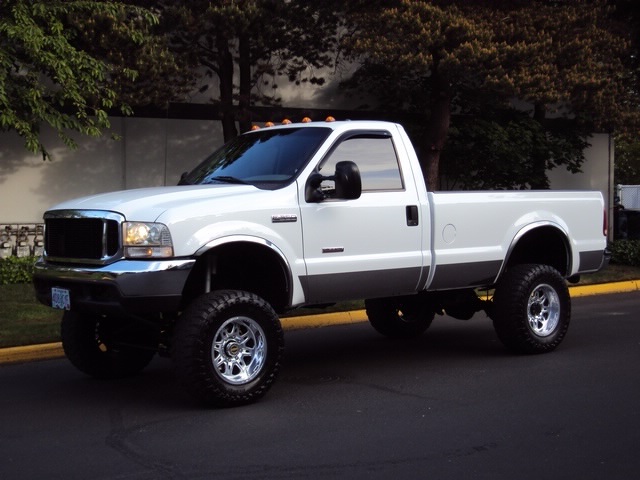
(543, 245)
(243, 266)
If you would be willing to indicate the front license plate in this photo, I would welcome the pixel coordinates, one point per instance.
(60, 298)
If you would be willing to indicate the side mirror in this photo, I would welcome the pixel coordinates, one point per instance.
(348, 181)
(183, 178)
(312, 191)
(348, 184)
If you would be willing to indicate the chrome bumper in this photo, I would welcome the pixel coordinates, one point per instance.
(125, 286)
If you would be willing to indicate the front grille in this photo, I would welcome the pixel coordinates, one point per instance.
(81, 238)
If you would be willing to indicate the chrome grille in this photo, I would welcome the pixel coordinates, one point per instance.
(93, 237)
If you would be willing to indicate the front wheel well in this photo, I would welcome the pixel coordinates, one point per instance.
(243, 265)
(545, 245)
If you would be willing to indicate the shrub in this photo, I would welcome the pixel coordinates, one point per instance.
(625, 252)
(16, 270)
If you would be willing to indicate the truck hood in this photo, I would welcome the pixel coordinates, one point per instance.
(147, 204)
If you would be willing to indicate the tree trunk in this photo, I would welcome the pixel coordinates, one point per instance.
(244, 101)
(436, 132)
(539, 180)
(226, 89)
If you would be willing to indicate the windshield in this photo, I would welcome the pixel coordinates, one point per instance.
(264, 158)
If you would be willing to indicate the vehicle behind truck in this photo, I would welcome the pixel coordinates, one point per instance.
(302, 215)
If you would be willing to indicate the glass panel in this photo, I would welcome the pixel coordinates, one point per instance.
(263, 156)
(376, 158)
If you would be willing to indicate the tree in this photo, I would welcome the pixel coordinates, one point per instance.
(627, 145)
(49, 75)
(627, 165)
(247, 44)
(495, 151)
(160, 76)
(559, 57)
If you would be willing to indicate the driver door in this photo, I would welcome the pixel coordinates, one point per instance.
(370, 246)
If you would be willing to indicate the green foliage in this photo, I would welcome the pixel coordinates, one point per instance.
(563, 59)
(135, 45)
(625, 252)
(627, 164)
(498, 150)
(53, 72)
(16, 270)
(248, 44)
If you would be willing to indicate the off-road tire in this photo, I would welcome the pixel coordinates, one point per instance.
(399, 317)
(227, 348)
(531, 309)
(106, 347)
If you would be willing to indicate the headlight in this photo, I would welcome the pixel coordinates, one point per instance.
(146, 240)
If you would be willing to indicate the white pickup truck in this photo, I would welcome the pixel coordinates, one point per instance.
(297, 215)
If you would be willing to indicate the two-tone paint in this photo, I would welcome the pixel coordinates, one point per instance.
(384, 243)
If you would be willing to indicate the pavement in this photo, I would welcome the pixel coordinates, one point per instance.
(54, 350)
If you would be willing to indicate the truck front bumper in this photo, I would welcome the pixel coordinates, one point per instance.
(126, 286)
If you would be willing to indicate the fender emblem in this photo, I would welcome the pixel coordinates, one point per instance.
(284, 218)
(333, 250)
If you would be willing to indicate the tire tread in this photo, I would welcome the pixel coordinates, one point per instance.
(509, 305)
(191, 350)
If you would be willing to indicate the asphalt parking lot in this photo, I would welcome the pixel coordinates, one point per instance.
(350, 403)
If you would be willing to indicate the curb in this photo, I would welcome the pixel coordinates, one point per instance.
(604, 288)
(54, 350)
(30, 353)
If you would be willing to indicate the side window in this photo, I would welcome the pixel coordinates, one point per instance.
(376, 158)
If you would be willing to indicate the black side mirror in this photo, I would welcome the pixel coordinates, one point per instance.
(183, 178)
(348, 181)
(348, 184)
(312, 191)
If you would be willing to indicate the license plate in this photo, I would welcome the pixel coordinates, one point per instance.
(60, 298)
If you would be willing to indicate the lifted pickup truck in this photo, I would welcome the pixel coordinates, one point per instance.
(295, 215)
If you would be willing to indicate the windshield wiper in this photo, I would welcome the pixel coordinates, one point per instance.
(229, 179)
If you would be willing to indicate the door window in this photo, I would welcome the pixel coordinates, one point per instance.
(376, 158)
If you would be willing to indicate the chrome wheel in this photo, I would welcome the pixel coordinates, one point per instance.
(543, 310)
(227, 348)
(531, 308)
(239, 350)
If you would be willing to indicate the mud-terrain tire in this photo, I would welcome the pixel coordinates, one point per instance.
(399, 317)
(531, 309)
(227, 348)
(106, 347)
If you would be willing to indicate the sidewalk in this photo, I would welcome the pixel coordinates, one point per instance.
(54, 350)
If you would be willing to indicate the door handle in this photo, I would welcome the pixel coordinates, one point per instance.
(412, 216)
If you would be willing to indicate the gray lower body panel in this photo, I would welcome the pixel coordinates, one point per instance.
(593, 261)
(389, 283)
(357, 285)
(465, 275)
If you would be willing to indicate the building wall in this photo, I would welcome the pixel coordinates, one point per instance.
(151, 152)
(597, 171)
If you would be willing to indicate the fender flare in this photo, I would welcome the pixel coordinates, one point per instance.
(564, 236)
(234, 239)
